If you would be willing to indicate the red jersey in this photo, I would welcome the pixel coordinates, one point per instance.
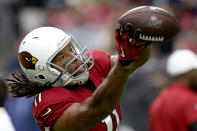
(50, 104)
(174, 109)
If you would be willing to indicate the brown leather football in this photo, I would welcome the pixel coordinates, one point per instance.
(156, 24)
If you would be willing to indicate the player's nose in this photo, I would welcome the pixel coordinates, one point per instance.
(77, 60)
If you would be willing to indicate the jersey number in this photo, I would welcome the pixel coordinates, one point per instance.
(109, 121)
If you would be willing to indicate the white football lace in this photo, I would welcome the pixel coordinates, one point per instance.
(152, 38)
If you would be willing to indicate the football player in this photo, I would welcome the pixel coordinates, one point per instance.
(76, 89)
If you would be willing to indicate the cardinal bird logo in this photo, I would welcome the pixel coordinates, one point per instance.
(27, 60)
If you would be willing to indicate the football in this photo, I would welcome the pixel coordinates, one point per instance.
(156, 24)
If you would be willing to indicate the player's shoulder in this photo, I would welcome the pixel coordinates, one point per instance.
(52, 96)
(180, 94)
(99, 55)
(52, 93)
(94, 51)
(50, 104)
(102, 61)
(182, 90)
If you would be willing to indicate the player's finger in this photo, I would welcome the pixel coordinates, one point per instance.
(128, 28)
(118, 27)
(119, 31)
(137, 34)
(139, 45)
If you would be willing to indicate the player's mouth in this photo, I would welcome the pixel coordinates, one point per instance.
(81, 70)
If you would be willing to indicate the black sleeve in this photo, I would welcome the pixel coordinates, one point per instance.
(193, 126)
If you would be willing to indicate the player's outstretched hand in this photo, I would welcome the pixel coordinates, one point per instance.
(126, 40)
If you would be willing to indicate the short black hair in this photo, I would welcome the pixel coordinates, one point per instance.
(3, 92)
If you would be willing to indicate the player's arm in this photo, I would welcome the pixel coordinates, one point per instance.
(113, 60)
(83, 116)
(193, 126)
(190, 114)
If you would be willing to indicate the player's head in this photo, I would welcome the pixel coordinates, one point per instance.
(3, 92)
(183, 63)
(49, 55)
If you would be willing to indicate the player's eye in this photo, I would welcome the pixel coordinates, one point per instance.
(62, 56)
(71, 49)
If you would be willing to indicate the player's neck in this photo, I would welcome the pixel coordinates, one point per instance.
(182, 81)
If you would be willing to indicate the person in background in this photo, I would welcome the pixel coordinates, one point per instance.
(6, 124)
(175, 108)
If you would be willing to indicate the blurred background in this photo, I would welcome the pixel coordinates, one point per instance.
(92, 23)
